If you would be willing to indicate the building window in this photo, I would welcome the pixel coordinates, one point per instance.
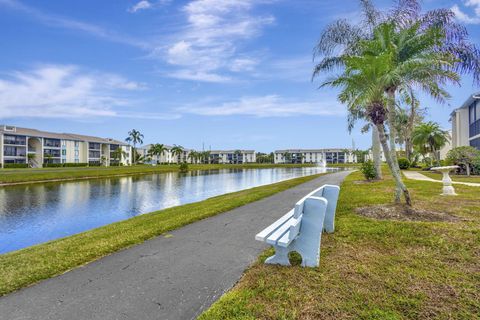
(93, 146)
(9, 151)
(475, 143)
(474, 119)
(52, 153)
(15, 140)
(64, 152)
(53, 143)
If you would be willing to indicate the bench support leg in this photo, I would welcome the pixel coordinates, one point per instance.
(280, 257)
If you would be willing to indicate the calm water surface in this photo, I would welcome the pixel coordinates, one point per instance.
(38, 213)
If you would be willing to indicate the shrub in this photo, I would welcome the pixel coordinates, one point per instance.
(184, 167)
(52, 165)
(403, 163)
(71, 164)
(465, 157)
(15, 165)
(94, 164)
(368, 170)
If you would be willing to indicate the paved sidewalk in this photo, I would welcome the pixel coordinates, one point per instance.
(418, 176)
(164, 278)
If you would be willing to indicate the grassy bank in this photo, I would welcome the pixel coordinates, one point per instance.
(457, 178)
(10, 176)
(374, 269)
(24, 267)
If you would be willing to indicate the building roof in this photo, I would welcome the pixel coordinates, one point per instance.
(147, 146)
(313, 150)
(231, 151)
(54, 135)
(468, 102)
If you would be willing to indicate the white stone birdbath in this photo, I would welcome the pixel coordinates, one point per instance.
(448, 189)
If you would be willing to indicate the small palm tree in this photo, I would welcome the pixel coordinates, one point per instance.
(177, 151)
(286, 156)
(134, 137)
(430, 138)
(118, 154)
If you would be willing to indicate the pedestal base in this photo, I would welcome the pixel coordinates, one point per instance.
(448, 191)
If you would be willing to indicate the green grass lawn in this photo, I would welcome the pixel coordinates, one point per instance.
(45, 174)
(27, 266)
(371, 269)
(457, 178)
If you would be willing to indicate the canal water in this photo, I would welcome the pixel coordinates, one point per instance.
(36, 213)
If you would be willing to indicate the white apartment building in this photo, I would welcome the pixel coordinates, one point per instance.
(166, 157)
(466, 123)
(233, 156)
(23, 145)
(315, 156)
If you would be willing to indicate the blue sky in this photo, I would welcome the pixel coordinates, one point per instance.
(224, 73)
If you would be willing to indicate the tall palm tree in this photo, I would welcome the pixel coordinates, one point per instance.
(177, 151)
(430, 137)
(341, 38)
(193, 156)
(134, 137)
(157, 149)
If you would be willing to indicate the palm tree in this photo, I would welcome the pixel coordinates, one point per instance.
(341, 39)
(157, 149)
(430, 138)
(118, 154)
(206, 156)
(177, 151)
(193, 156)
(134, 137)
(394, 60)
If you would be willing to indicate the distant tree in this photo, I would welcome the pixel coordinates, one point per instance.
(135, 137)
(177, 151)
(430, 138)
(118, 154)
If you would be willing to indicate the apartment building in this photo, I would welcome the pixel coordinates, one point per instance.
(23, 145)
(233, 156)
(466, 123)
(315, 156)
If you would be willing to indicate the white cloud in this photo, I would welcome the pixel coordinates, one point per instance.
(68, 23)
(141, 5)
(65, 91)
(266, 106)
(464, 17)
(208, 44)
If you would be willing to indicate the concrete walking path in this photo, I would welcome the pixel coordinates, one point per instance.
(174, 277)
(418, 176)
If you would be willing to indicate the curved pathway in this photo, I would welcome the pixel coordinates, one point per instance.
(414, 175)
(174, 277)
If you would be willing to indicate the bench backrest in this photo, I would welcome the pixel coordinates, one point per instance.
(330, 193)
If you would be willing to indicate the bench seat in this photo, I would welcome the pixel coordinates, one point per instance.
(301, 228)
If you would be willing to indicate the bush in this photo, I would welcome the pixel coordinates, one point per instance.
(403, 163)
(184, 167)
(71, 164)
(466, 157)
(52, 165)
(93, 164)
(368, 170)
(15, 165)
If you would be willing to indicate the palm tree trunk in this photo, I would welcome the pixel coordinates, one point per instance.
(396, 173)
(392, 135)
(376, 153)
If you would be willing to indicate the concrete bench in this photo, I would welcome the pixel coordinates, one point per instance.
(301, 228)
